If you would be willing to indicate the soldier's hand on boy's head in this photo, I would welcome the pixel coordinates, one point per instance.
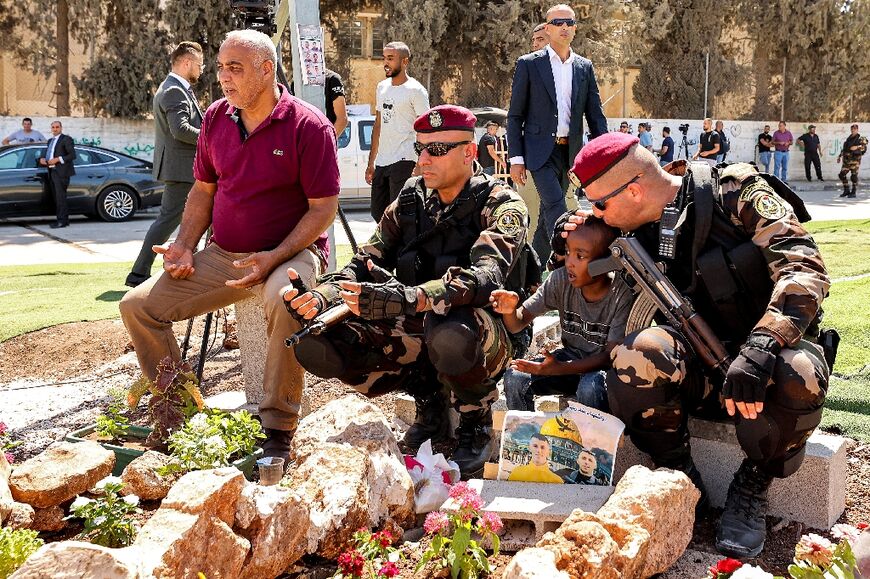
(504, 301)
(575, 221)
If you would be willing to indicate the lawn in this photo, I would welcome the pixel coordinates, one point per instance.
(38, 296)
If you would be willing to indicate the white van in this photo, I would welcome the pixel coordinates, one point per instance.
(354, 145)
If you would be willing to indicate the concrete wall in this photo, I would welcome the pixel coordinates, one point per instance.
(137, 138)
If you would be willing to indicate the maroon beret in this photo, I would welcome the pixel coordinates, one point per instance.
(599, 155)
(445, 118)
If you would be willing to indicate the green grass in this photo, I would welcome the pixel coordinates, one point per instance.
(845, 246)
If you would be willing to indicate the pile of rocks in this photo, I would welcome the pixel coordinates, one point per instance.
(347, 473)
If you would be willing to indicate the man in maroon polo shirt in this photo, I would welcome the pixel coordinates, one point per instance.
(267, 182)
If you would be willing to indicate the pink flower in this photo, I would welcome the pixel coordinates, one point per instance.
(436, 522)
(815, 550)
(388, 569)
(844, 531)
(2, 428)
(383, 538)
(10, 458)
(458, 490)
(351, 563)
(491, 522)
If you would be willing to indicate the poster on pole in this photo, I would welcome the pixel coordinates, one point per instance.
(575, 446)
(311, 54)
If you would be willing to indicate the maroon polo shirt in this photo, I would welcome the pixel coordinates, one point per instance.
(265, 178)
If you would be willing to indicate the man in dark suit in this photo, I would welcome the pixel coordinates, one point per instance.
(177, 119)
(552, 89)
(58, 157)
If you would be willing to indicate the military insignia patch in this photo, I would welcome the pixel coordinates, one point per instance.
(435, 119)
(769, 206)
(510, 222)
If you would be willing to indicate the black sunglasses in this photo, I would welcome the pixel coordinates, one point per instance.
(561, 21)
(437, 149)
(601, 204)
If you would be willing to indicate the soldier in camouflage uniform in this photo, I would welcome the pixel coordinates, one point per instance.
(854, 148)
(756, 276)
(429, 327)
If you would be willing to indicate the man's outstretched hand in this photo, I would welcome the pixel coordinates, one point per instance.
(261, 264)
(177, 260)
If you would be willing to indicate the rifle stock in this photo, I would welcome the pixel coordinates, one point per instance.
(628, 254)
(325, 320)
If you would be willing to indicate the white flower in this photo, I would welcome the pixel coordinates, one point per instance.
(79, 502)
(108, 480)
(215, 443)
(131, 500)
(199, 421)
(99, 520)
(751, 572)
(844, 531)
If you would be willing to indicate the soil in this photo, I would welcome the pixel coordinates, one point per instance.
(93, 357)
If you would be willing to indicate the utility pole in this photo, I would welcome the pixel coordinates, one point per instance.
(706, 81)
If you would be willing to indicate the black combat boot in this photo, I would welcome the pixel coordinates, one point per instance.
(430, 421)
(277, 443)
(854, 191)
(476, 442)
(845, 192)
(742, 529)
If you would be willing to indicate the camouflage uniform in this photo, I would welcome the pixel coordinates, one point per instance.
(656, 380)
(852, 159)
(385, 355)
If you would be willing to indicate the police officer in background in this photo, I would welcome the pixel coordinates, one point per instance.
(452, 237)
(756, 276)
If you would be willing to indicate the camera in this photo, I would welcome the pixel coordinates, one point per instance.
(684, 128)
(256, 15)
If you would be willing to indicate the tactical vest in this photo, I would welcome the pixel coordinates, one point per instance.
(728, 277)
(429, 249)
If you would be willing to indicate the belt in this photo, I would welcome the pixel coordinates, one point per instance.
(561, 140)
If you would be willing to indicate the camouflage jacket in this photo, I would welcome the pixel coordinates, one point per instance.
(503, 226)
(848, 154)
(800, 280)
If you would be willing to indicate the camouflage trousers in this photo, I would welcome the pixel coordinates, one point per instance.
(656, 382)
(852, 165)
(402, 354)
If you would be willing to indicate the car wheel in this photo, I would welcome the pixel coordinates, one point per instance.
(116, 203)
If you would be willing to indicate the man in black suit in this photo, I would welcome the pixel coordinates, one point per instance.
(177, 119)
(552, 89)
(58, 157)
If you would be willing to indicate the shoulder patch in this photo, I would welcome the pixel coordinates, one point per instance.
(757, 185)
(769, 206)
(510, 217)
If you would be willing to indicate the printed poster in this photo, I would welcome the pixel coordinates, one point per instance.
(311, 54)
(575, 446)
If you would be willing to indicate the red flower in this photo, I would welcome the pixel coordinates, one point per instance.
(384, 538)
(728, 565)
(862, 526)
(388, 569)
(351, 563)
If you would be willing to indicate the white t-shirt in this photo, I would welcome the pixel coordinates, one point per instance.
(399, 107)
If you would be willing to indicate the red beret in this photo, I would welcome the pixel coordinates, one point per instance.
(599, 155)
(445, 118)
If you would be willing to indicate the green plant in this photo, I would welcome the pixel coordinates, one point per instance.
(15, 547)
(174, 395)
(6, 443)
(212, 439)
(465, 557)
(113, 425)
(108, 519)
(373, 557)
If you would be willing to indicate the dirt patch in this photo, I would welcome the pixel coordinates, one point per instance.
(70, 351)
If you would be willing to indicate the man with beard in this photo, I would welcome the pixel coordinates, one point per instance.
(177, 119)
(400, 100)
(267, 183)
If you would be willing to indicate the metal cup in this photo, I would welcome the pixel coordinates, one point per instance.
(271, 470)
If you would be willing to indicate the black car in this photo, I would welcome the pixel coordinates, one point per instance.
(107, 184)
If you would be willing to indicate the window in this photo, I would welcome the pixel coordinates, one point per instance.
(365, 134)
(344, 137)
(377, 25)
(13, 160)
(82, 158)
(351, 34)
(100, 158)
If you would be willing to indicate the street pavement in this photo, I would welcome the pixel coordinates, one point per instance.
(31, 241)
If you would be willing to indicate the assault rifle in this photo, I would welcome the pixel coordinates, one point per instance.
(322, 322)
(629, 255)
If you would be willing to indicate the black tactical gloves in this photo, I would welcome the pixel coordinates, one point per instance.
(388, 298)
(750, 372)
(300, 287)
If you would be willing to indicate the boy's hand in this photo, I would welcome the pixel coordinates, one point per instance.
(549, 366)
(504, 302)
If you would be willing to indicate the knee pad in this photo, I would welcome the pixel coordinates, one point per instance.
(319, 356)
(453, 341)
(776, 440)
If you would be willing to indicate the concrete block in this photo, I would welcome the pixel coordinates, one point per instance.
(230, 402)
(544, 329)
(815, 495)
(251, 328)
(529, 510)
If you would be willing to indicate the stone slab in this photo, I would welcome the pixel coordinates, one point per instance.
(531, 509)
(251, 328)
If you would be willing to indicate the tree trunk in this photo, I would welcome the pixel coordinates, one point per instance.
(62, 67)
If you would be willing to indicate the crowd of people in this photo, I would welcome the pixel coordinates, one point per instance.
(438, 302)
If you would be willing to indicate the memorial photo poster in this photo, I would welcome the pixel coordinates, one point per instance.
(575, 446)
(311, 54)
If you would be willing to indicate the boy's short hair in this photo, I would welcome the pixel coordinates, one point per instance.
(605, 233)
